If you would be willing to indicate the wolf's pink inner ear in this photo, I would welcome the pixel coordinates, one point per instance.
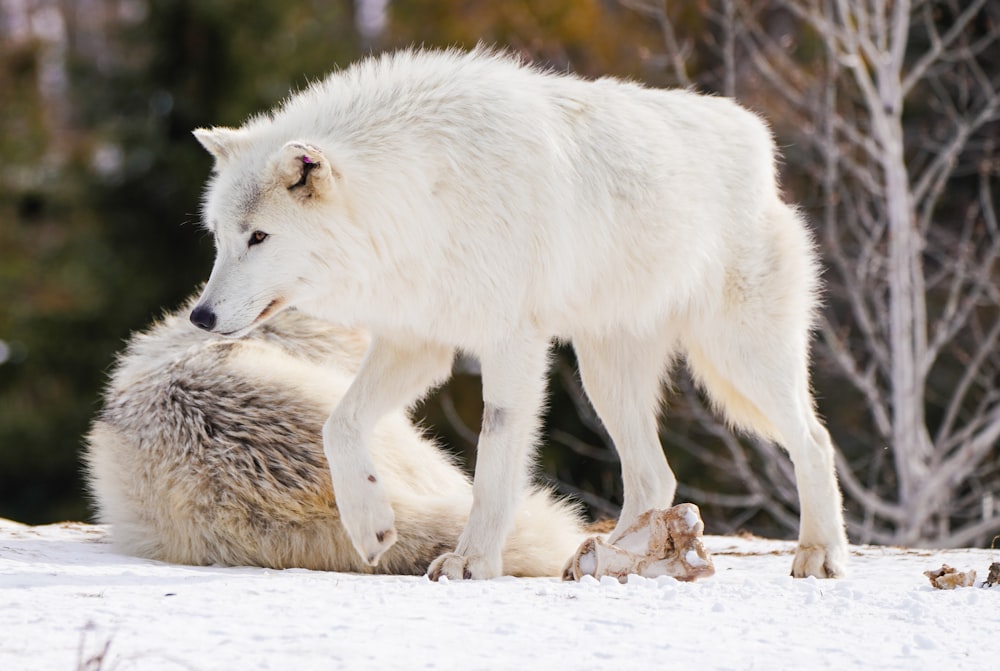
(303, 169)
(308, 165)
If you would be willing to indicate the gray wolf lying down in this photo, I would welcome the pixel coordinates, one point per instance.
(208, 450)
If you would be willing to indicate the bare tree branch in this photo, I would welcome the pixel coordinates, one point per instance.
(939, 43)
(675, 52)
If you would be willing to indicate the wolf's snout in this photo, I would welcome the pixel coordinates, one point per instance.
(203, 318)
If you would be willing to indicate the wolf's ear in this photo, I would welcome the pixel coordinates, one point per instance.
(304, 170)
(221, 142)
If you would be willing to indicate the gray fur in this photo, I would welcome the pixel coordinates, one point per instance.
(493, 418)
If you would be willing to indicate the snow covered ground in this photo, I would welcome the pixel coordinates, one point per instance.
(66, 597)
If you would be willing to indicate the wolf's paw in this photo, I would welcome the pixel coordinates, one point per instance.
(459, 567)
(371, 527)
(821, 561)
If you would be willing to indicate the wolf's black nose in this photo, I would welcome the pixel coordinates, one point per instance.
(203, 318)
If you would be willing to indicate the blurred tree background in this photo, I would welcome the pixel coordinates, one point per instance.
(100, 183)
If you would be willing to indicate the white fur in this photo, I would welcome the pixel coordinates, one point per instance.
(451, 200)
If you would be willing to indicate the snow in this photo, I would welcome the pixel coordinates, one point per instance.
(65, 594)
(693, 559)
(588, 564)
(691, 518)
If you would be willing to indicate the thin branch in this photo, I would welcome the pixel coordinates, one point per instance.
(955, 320)
(940, 44)
(593, 500)
(986, 347)
(967, 535)
(676, 54)
(973, 450)
(898, 39)
(583, 448)
(931, 182)
(866, 497)
(584, 411)
(863, 381)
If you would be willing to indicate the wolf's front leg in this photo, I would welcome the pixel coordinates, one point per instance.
(392, 375)
(513, 392)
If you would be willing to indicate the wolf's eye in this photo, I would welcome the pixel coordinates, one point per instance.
(257, 237)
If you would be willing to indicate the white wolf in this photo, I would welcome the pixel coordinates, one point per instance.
(208, 450)
(450, 200)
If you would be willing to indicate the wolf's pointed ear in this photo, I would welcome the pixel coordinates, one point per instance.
(220, 142)
(304, 170)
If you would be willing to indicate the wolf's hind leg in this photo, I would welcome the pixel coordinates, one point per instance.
(392, 375)
(781, 410)
(752, 356)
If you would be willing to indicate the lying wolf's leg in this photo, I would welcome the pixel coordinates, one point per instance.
(392, 375)
(513, 391)
(623, 379)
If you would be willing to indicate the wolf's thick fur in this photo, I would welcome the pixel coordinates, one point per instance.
(450, 200)
(209, 451)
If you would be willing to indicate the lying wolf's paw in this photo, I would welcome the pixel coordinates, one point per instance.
(821, 561)
(459, 567)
